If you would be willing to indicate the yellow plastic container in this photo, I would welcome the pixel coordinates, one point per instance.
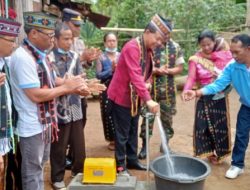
(99, 170)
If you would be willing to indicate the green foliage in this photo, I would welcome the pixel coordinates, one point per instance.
(191, 15)
(85, 1)
(89, 33)
(241, 1)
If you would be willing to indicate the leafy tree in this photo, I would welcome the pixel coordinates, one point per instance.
(191, 15)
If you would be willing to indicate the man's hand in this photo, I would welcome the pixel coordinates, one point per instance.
(153, 106)
(1, 166)
(188, 95)
(157, 71)
(84, 75)
(114, 64)
(2, 78)
(94, 86)
(84, 92)
(148, 86)
(163, 70)
(90, 54)
(74, 84)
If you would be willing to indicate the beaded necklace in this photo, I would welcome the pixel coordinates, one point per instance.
(143, 58)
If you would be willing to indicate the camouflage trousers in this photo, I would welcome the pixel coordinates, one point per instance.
(166, 116)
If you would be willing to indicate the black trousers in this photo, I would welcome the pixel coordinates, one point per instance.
(126, 135)
(74, 133)
(84, 120)
(84, 111)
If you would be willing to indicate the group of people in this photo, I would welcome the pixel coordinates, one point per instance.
(42, 85)
(43, 90)
(140, 93)
(236, 73)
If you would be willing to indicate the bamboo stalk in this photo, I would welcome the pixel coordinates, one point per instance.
(132, 29)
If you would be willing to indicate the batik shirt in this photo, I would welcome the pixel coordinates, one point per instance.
(68, 106)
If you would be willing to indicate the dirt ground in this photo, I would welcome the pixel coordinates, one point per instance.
(181, 143)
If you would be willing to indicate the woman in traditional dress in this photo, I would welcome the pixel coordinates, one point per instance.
(105, 68)
(211, 137)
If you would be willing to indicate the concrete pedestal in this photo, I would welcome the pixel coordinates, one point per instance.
(122, 183)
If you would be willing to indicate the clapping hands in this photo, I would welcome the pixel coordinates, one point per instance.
(84, 87)
(91, 54)
(94, 86)
(75, 84)
(114, 64)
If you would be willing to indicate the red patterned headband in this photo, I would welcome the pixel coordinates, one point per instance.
(9, 27)
(162, 25)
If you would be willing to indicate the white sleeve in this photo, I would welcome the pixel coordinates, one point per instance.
(25, 70)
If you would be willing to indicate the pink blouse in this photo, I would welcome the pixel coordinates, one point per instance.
(197, 73)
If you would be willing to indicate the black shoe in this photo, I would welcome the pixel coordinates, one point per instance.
(68, 164)
(136, 165)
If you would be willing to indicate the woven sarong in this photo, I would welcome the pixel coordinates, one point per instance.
(212, 128)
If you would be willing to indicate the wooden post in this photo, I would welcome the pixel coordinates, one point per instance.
(6, 9)
(20, 7)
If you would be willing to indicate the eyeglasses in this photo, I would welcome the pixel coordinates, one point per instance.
(50, 35)
(9, 40)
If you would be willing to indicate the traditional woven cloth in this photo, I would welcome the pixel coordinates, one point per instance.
(212, 128)
(6, 129)
(9, 27)
(145, 72)
(105, 103)
(39, 19)
(46, 110)
(162, 25)
(163, 89)
(164, 86)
